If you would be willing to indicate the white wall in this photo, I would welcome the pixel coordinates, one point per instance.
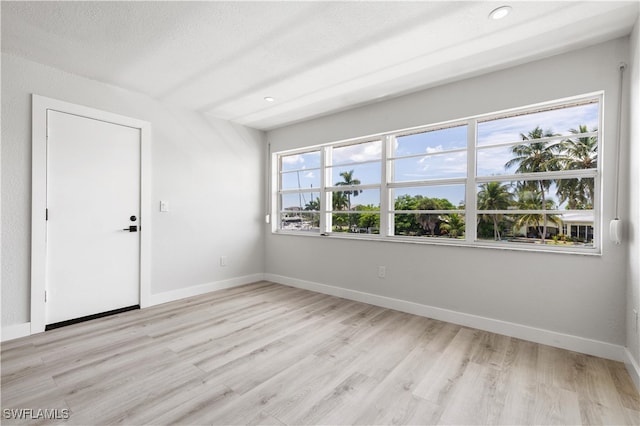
(581, 296)
(208, 169)
(633, 290)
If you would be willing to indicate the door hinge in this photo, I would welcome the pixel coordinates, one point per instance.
(46, 214)
(45, 296)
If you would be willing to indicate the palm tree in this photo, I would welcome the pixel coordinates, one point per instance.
(536, 157)
(348, 180)
(532, 200)
(339, 201)
(494, 196)
(452, 224)
(579, 154)
(313, 205)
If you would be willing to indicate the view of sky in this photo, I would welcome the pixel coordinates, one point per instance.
(303, 170)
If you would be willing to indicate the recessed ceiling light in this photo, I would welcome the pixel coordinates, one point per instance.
(269, 99)
(500, 12)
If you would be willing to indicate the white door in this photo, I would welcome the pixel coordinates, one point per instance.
(93, 194)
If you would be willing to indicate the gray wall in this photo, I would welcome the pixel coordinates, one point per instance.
(207, 169)
(577, 295)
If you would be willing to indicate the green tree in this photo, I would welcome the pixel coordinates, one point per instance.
(535, 157)
(368, 220)
(429, 221)
(578, 154)
(313, 206)
(452, 224)
(532, 200)
(348, 180)
(406, 223)
(494, 196)
(339, 201)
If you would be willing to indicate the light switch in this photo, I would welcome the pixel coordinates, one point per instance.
(164, 206)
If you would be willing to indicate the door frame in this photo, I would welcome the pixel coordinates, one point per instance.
(39, 107)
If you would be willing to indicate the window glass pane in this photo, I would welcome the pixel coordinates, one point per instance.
(429, 225)
(436, 197)
(301, 179)
(307, 160)
(567, 229)
(545, 123)
(365, 220)
(300, 221)
(568, 154)
(495, 161)
(356, 200)
(431, 141)
(559, 194)
(367, 151)
(440, 166)
(300, 201)
(359, 174)
(574, 194)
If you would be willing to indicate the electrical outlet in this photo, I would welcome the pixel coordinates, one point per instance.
(382, 271)
(224, 260)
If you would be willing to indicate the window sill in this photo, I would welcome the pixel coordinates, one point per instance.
(447, 242)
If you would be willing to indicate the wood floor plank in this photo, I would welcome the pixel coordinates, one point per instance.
(289, 390)
(393, 401)
(336, 406)
(271, 354)
(449, 367)
(598, 402)
(472, 401)
(518, 372)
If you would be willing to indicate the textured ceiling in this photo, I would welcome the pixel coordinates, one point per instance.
(223, 58)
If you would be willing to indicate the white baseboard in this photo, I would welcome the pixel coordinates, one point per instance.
(181, 293)
(532, 334)
(15, 331)
(633, 368)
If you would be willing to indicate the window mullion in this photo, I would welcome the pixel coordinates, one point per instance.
(385, 203)
(471, 203)
(325, 197)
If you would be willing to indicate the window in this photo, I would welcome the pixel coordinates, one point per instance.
(525, 178)
(300, 191)
(536, 175)
(353, 174)
(427, 182)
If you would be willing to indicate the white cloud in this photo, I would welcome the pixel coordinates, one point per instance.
(293, 159)
(357, 153)
(435, 166)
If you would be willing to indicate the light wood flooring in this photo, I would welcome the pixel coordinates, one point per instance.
(270, 354)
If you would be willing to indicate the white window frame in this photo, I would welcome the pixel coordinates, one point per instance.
(470, 182)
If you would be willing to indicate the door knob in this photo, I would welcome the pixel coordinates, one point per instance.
(132, 228)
